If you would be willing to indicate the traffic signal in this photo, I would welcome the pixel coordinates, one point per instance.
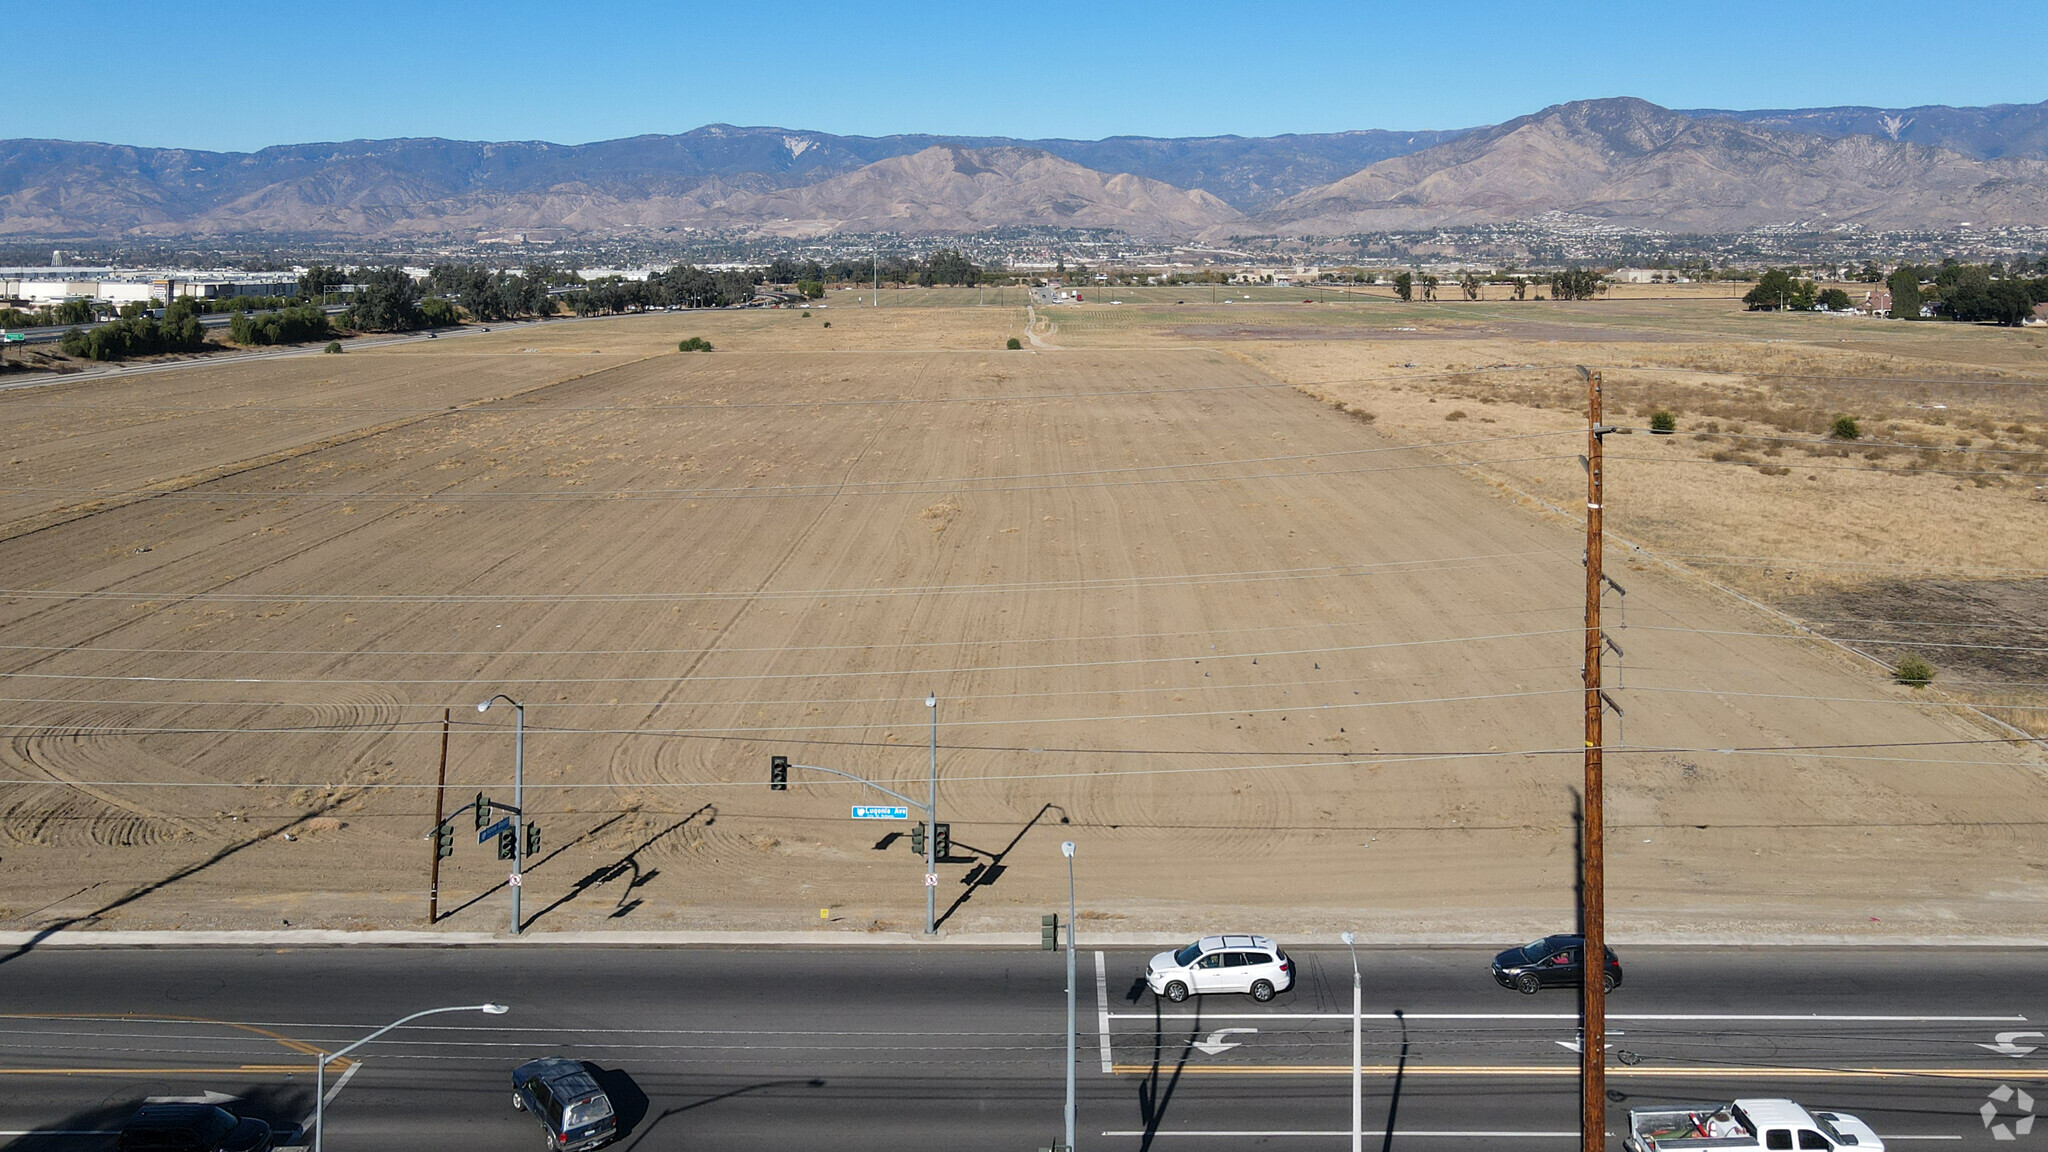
(508, 844)
(778, 773)
(483, 811)
(532, 839)
(1049, 932)
(917, 838)
(444, 840)
(942, 841)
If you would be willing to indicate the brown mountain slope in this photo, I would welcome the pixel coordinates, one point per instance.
(949, 189)
(1631, 163)
(941, 189)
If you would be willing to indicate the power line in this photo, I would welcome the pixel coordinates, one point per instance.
(1377, 568)
(1345, 760)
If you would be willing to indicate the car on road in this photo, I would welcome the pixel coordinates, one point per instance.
(1252, 965)
(1552, 962)
(1770, 1125)
(563, 1095)
(196, 1128)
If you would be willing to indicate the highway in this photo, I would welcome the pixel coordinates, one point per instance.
(956, 1047)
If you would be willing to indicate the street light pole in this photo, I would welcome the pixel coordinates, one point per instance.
(1067, 850)
(320, 1071)
(518, 797)
(931, 841)
(1357, 1047)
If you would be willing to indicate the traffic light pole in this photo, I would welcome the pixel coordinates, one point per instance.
(929, 807)
(440, 818)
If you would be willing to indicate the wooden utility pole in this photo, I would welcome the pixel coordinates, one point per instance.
(1592, 897)
(440, 790)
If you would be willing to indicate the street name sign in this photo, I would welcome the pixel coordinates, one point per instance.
(504, 824)
(880, 812)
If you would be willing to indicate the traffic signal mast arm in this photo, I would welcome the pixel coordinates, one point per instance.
(928, 807)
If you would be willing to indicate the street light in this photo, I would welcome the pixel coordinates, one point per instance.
(1067, 850)
(931, 842)
(1357, 1046)
(320, 1073)
(518, 796)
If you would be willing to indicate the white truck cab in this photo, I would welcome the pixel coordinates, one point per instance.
(1771, 1125)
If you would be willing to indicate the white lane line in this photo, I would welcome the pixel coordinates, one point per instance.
(1814, 1018)
(1102, 1010)
(1244, 1134)
(60, 1132)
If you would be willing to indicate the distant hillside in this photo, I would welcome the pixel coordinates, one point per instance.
(1623, 160)
(1633, 163)
(2008, 131)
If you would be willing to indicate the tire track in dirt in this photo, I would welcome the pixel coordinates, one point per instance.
(622, 768)
(57, 518)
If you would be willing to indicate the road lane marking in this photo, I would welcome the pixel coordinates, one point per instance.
(1811, 1018)
(1252, 1134)
(1404, 1132)
(1102, 1009)
(1531, 1070)
(60, 1131)
(287, 1069)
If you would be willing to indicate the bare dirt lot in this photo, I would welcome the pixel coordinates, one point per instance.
(1266, 662)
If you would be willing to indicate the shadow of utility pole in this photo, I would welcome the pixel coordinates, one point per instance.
(184, 873)
(985, 874)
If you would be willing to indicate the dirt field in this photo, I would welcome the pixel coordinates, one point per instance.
(1266, 662)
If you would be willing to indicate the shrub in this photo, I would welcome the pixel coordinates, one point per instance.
(1845, 428)
(1914, 671)
(1455, 414)
(333, 346)
(1663, 422)
(1014, 344)
(694, 344)
(807, 313)
(828, 323)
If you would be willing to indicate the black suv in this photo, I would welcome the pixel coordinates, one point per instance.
(563, 1095)
(195, 1128)
(1552, 962)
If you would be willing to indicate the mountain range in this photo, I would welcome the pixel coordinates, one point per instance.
(1623, 161)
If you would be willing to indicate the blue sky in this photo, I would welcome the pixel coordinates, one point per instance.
(243, 76)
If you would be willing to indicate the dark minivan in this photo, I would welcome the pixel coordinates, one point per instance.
(565, 1098)
(1552, 962)
(193, 1128)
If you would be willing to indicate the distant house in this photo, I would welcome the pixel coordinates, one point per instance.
(1645, 276)
(2040, 314)
(1878, 301)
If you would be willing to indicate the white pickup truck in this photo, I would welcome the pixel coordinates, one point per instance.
(1773, 1125)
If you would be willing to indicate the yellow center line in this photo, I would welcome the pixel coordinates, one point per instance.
(1682, 1072)
(236, 1070)
(298, 1046)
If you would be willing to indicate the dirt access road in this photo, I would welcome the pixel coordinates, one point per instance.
(1271, 667)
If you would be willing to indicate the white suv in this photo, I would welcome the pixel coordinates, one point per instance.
(1250, 964)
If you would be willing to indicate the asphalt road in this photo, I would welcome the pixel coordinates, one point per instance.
(964, 1048)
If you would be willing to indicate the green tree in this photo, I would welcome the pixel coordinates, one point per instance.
(1404, 285)
(1835, 300)
(1469, 284)
(1904, 286)
(387, 300)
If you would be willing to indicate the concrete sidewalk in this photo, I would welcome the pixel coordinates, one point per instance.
(843, 938)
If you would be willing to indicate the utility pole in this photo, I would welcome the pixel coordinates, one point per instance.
(1593, 903)
(440, 792)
